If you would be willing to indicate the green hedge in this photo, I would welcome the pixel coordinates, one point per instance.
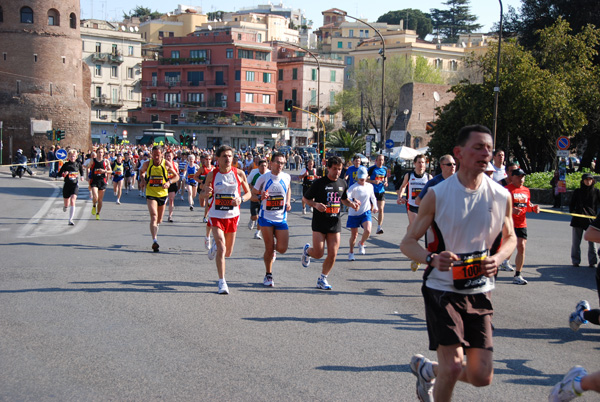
(542, 180)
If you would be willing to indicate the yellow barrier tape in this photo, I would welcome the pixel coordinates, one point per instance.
(33, 163)
(566, 213)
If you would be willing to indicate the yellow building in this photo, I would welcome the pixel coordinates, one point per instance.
(171, 25)
(269, 27)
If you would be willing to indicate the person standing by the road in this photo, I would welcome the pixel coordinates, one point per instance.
(99, 171)
(72, 171)
(223, 184)
(521, 205)
(159, 176)
(585, 201)
(378, 177)
(325, 197)
(273, 188)
(461, 266)
(361, 193)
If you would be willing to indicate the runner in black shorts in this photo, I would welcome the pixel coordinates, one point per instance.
(71, 171)
(307, 176)
(325, 196)
(99, 171)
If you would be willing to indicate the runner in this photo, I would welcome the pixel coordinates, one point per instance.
(254, 201)
(275, 195)
(574, 384)
(462, 262)
(362, 193)
(182, 163)
(205, 169)
(190, 182)
(144, 157)
(118, 173)
(378, 178)
(71, 171)
(99, 171)
(223, 184)
(307, 176)
(128, 164)
(414, 182)
(352, 171)
(158, 174)
(173, 187)
(326, 196)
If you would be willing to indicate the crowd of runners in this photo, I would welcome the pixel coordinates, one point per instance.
(463, 227)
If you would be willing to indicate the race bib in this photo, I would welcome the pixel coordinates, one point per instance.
(415, 193)
(275, 203)
(73, 176)
(310, 178)
(333, 204)
(98, 172)
(467, 273)
(155, 181)
(224, 202)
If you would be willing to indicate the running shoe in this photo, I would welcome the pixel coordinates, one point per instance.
(379, 230)
(97, 217)
(505, 266)
(207, 243)
(303, 211)
(258, 236)
(155, 247)
(94, 210)
(305, 257)
(251, 225)
(351, 257)
(191, 207)
(575, 320)
(64, 209)
(268, 281)
(223, 288)
(212, 253)
(565, 389)
(323, 284)
(424, 387)
(170, 219)
(519, 280)
(118, 202)
(414, 266)
(361, 249)
(204, 220)
(71, 223)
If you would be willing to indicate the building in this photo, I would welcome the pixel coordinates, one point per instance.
(113, 53)
(183, 21)
(43, 83)
(223, 78)
(312, 86)
(268, 27)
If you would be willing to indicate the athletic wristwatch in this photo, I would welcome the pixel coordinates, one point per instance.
(429, 259)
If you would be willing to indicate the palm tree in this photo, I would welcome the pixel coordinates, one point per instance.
(354, 143)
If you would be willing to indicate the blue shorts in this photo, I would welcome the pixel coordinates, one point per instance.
(276, 225)
(357, 220)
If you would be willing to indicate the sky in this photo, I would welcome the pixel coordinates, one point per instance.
(487, 11)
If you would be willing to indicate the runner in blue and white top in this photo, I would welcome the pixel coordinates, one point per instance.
(362, 193)
(191, 184)
(273, 188)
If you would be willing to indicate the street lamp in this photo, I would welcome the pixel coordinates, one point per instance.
(318, 82)
(497, 86)
(382, 53)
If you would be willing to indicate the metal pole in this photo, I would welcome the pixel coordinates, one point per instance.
(1, 143)
(497, 86)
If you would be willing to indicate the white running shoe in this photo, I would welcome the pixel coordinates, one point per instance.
(251, 225)
(303, 211)
(223, 288)
(351, 257)
(207, 243)
(424, 387)
(71, 223)
(212, 253)
(565, 389)
(505, 266)
(575, 320)
(118, 202)
(323, 284)
(258, 236)
(305, 257)
(379, 230)
(361, 249)
(268, 281)
(519, 280)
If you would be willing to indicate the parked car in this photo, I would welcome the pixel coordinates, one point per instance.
(309, 152)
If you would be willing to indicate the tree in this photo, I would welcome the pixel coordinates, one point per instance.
(343, 139)
(455, 20)
(143, 13)
(413, 19)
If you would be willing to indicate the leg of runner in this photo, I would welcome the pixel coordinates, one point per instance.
(191, 195)
(365, 236)
(353, 237)
(94, 193)
(71, 201)
(153, 210)
(99, 205)
(520, 261)
(333, 243)
(171, 201)
(380, 206)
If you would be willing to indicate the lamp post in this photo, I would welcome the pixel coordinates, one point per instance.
(382, 53)
(318, 84)
(497, 86)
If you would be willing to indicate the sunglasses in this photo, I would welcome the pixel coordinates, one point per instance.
(449, 164)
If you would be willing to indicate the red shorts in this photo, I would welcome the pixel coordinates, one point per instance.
(227, 225)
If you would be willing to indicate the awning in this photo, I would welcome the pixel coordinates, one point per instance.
(265, 114)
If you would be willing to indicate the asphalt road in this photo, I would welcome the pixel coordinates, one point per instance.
(90, 313)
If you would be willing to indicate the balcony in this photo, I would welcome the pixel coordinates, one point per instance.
(183, 60)
(108, 57)
(99, 57)
(106, 101)
(156, 104)
(171, 84)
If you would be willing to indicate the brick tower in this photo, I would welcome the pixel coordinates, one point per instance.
(43, 82)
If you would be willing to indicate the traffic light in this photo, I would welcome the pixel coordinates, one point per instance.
(182, 140)
(321, 151)
(50, 135)
(289, 105)
(60, 134)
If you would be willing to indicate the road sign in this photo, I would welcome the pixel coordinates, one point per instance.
(563, 142)
(61, 154)
(124, 134)
(389, 144)
(562, 153)
(370, 137)
(104, 132)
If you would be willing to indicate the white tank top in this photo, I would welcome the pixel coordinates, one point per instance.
(415, 185)
(468, 223)
(274, 207)
(226, 187)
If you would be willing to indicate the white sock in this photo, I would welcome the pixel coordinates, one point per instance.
(577, 385)
(72, 212)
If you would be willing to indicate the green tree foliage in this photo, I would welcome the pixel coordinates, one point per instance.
(343, 139)
(453, 21)
(535, 107)
(144, 13)
(413, 19)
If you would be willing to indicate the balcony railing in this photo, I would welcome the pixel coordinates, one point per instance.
(109, 57)
(171, 84)
(176, 61)
(180, 105)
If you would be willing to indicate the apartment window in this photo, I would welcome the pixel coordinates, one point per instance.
(331, 119)
(351, 33)
(267, 77)
(98, 70)
(331, 98)
(114, 49)
(98, 92)
(453, 65)
(259, 38)
(264, 56)
(73, 21)
(361, 33)
(161, 34)
(115, 95)
(332, 75)
(314, 74)
(195, 97)
(171, 34)
(1, 15)
(295, 74)
(174, 54)
(294, 95)
(194, 77)
(279, 95)
(438, 64)
(172, 77)
(172, 98)
(53, 17)
(340, 45)
(280, 74)
(245, 54)
(313, 97)
(249, 75)
(26, 15)
(130, 73)
(98, 47)
(348, 60)
(249, 98)
(238, 75)
(130, 50)
(366, 33)
(266, 99)
(229, 53)
(237, 97)
(349, 45)
(198, 54)
(114, 71)
(239, 36)
(130, 94)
